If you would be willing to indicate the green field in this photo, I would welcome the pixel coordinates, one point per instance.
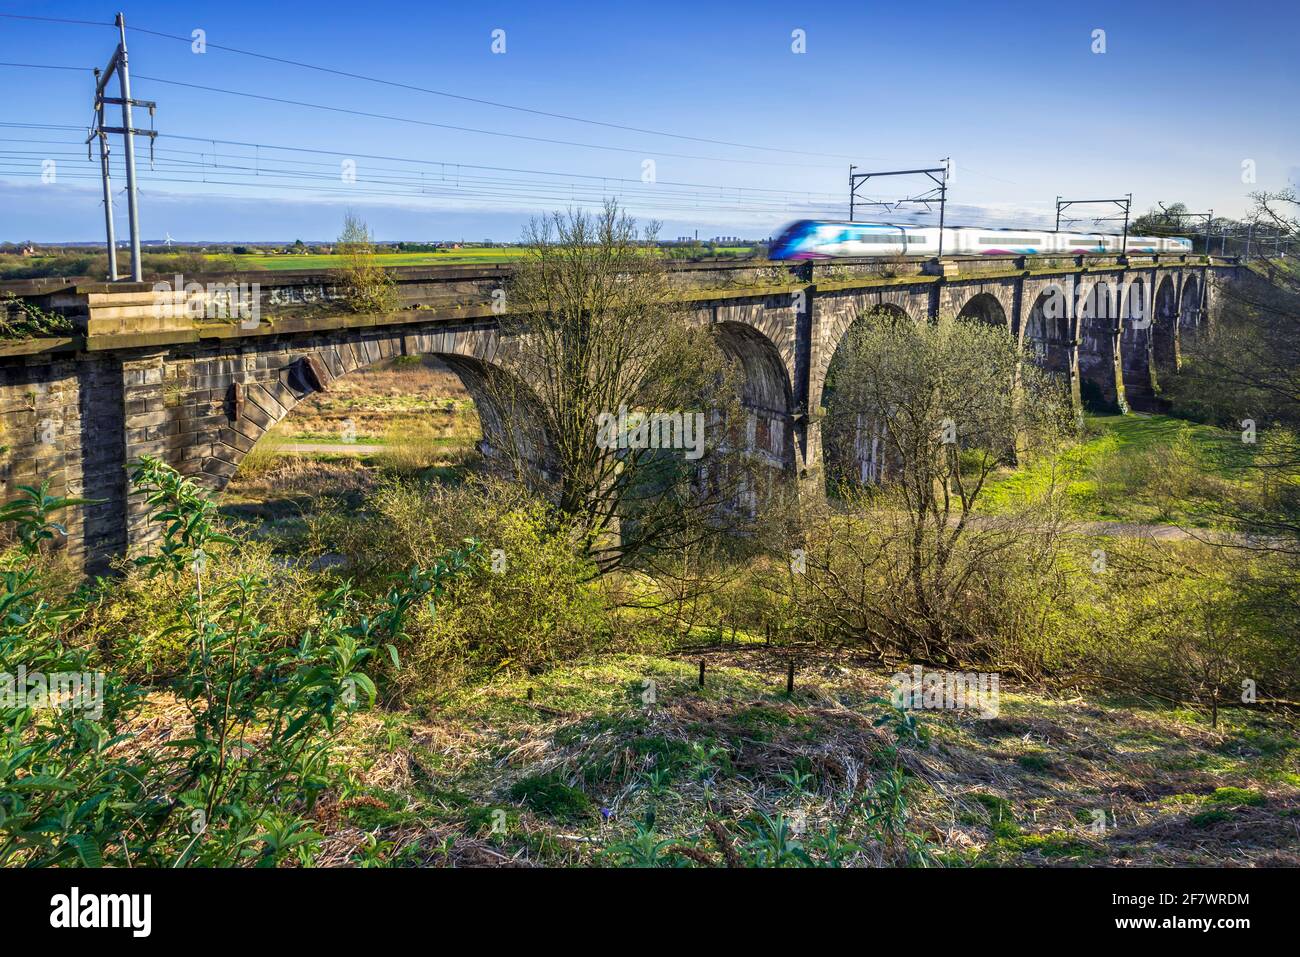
(1135, 468)
(482, 255)
(458, 257)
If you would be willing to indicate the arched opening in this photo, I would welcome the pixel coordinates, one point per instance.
(1096, 309)
(1135, 318)
(855, 446)
(297, 445)
(1189, 313)
(766, 402)
(984, 308)
(1049, 331)
(1164, 330)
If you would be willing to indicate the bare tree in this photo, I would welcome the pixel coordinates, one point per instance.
(1243, 373)
(612, 401)
(944, 406)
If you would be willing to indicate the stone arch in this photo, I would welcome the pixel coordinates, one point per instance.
(1134, 319)
(1096, 307)
(1049, 329)
(1164, 330)
(1189, 308)
(774, 447)
(766, 392)
(839, 314)
(289, 375)
(987, 308)
(857, 452)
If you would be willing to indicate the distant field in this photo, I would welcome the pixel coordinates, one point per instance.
(458, 257)
(1136, 468)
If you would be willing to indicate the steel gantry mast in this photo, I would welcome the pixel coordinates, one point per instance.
(117, 64)
(938, 193)
(1125, 203)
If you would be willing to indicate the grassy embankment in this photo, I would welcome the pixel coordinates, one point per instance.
(1141, 469)
(574, 767)
(580, 765)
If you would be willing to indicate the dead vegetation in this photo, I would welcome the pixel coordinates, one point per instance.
(576, 766)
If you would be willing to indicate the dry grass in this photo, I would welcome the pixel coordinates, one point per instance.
(1021, 789)
(401, 416)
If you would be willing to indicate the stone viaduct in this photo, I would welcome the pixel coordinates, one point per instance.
(142, 375)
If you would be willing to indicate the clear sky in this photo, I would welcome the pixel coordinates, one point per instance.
(1183, 95)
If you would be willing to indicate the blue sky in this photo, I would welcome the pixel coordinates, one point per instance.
(1183, 95)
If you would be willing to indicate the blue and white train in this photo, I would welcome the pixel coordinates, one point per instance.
(818, 239)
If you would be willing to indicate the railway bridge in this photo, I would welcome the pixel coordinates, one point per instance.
(145, 373)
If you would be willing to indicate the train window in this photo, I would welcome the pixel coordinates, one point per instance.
(916, 240)
(1008, 241)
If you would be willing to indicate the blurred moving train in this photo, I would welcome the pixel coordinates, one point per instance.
(818, 239)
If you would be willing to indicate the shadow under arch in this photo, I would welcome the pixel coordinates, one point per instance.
(765, 392)
(258, 406)
(1189, 310)
(1164, 329)
(1135, 318)
(1096, 308)
(985, 307)
(854, 447)
(1050, 330)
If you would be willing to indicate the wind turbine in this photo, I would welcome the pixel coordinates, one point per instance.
(168, 239)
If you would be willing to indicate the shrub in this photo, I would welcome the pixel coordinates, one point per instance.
(368, 287)
(531, 600)
(261, 705)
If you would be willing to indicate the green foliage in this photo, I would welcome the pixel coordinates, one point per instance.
(262, 707)
(527, 602)
(548, 794)
(31, 514)
(645, 848)
(368, 286)
(1242, 796)
(20, 319)
(67, 791)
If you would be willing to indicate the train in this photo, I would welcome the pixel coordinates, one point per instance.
(820, 239)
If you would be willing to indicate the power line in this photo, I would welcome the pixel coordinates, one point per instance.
(485, 102)
(47, 66)
(568, 117)
(462, 129)
(84, 23)
(442, 169)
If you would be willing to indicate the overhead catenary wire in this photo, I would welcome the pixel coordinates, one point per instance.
(492, 103)
(481, 101)
(392, 118)
(741, 195)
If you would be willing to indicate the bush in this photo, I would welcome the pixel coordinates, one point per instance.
(236, 784)
(530, 602)
(133, 622)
